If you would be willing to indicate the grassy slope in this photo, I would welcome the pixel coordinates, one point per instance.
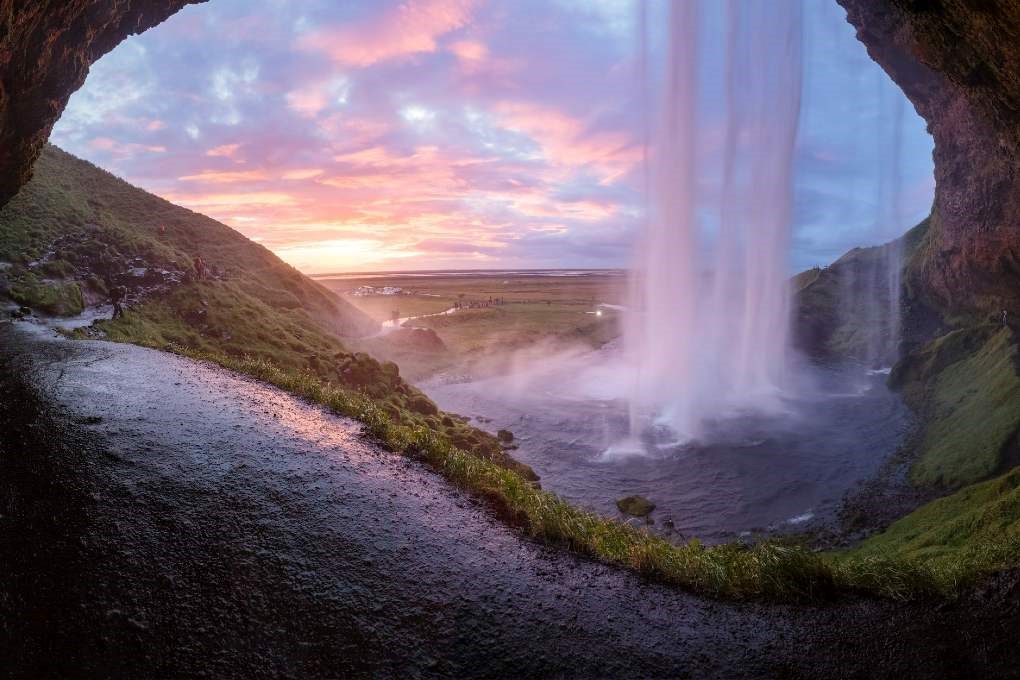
(965, 385)
(96, 213)
(826, 323)
(981, 523)
(974, 414)
(89, 225)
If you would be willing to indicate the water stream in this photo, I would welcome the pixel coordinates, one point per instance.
(710, 326)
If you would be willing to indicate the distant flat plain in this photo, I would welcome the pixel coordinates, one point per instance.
(502, 313)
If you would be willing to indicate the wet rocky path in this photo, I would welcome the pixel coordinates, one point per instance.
(161, 517)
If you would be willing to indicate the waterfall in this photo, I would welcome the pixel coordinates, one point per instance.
(870, 278)
(708, 329)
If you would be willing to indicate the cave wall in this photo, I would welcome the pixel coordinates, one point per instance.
(46, 48)
(958, 61)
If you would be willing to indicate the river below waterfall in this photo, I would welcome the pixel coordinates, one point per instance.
(748, 473)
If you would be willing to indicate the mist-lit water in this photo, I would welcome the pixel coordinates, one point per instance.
(702, 344)
(749, 472)
(871, 290)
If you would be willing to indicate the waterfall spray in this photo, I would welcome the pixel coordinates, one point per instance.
(870, 278)
(708, 331)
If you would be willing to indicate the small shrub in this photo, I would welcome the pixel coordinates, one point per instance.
(423, 405)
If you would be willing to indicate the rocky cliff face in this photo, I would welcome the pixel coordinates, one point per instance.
(46, 48)
(959, 63)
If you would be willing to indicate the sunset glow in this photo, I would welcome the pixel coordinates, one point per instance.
(436, 133)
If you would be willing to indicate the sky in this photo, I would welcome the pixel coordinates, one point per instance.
(431, 134)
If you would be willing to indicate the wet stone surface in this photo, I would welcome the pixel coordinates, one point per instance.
(166, 518)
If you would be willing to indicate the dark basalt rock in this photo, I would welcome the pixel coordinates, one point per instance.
(46, 48)
(958, 61)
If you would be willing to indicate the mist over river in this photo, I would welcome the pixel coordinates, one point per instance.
(748, 472)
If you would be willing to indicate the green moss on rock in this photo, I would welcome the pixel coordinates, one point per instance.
(973, 407)
(51, 297)
(635, 506)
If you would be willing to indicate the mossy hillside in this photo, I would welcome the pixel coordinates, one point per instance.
(74, 213)
(968, 391)
(915, 373)
(833, 305)
(58, 298)
(977, 526)
(831, 318)
(965, 386)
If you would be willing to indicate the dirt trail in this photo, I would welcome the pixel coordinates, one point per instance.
(162, 517)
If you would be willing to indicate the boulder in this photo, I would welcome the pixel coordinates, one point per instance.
(423, 405)
(635, 506)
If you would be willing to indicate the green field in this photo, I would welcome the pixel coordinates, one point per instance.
(500, 315)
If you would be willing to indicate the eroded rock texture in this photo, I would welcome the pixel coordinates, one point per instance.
(959, 63)
(46, 48)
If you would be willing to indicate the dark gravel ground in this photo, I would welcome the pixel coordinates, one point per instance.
(164, 518)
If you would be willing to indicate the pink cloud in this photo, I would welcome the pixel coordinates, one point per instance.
(413, 27)
(566, 141)
(307, 102)
(302, 173)
(122, 149)
(356, 132)
(469, 50)
(216, 177)
(225, 150)
(233, 202)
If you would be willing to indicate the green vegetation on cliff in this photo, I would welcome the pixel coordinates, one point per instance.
(52, 297)
(979, 524)
(968, 392)
(965, 387)
(834, 306)
(74, 217)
